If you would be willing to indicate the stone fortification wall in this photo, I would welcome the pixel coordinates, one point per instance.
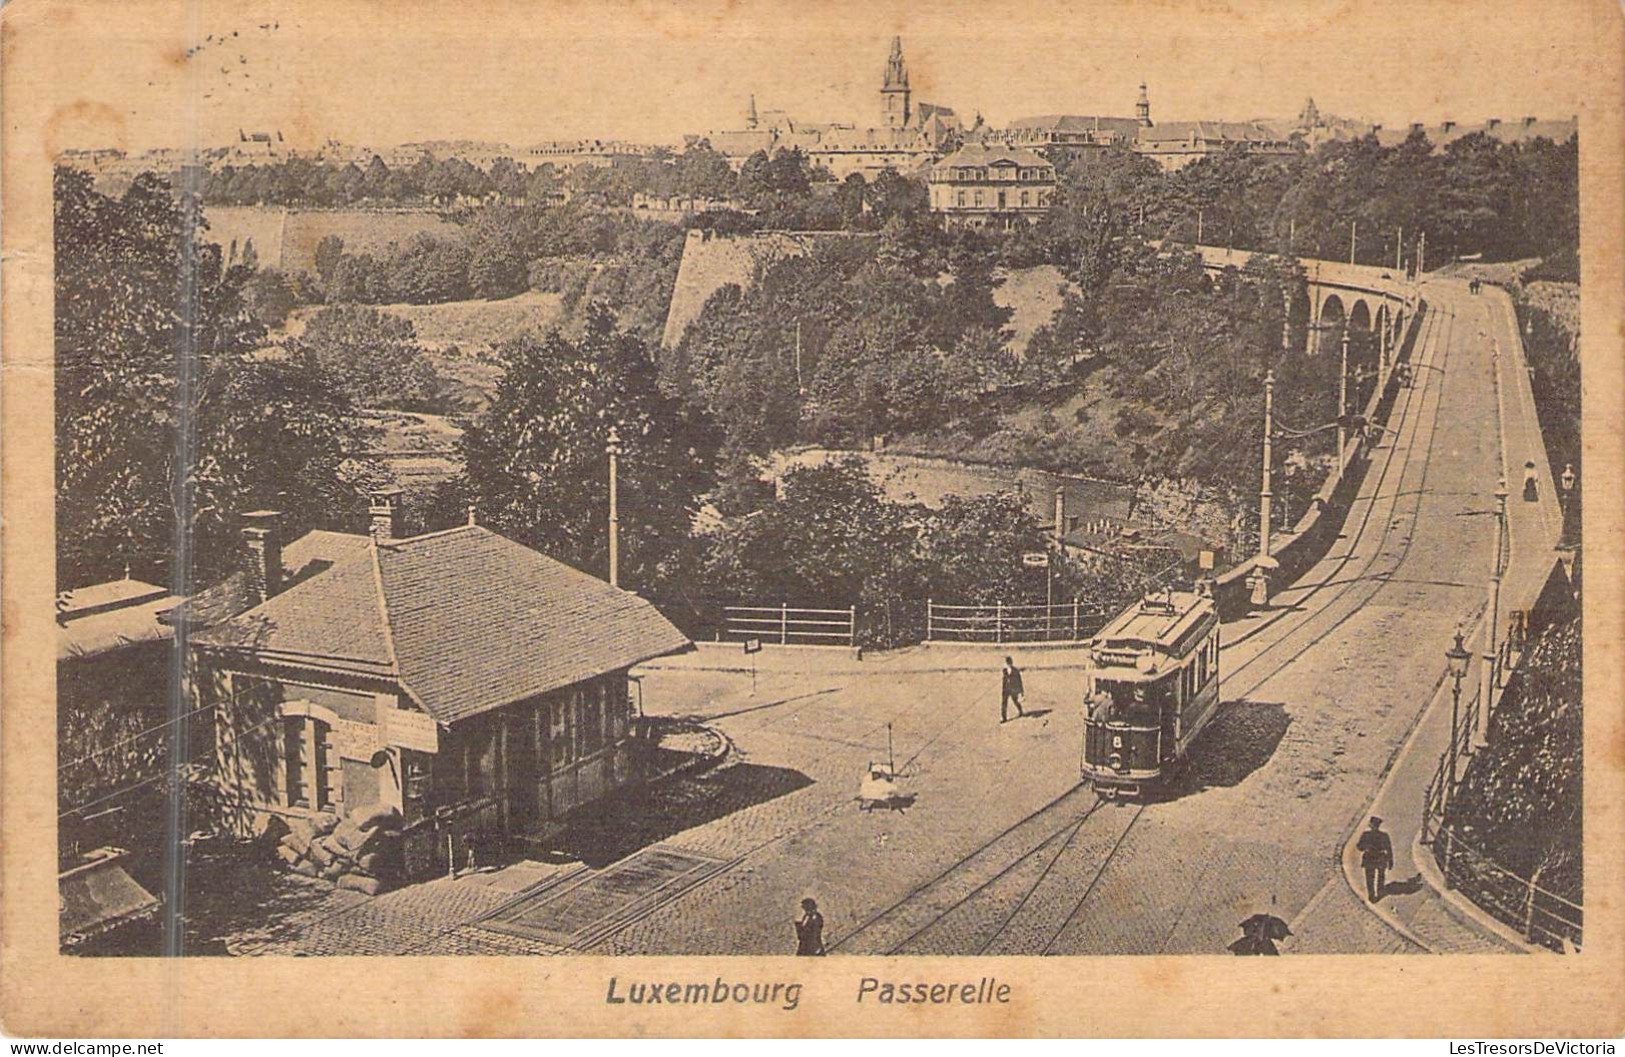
(712, 261)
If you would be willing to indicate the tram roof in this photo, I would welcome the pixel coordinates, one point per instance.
(1161, 620)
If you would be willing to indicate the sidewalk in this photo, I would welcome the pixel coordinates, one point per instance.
(1416, 904)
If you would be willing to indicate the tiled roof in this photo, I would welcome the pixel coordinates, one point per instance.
(480, 621)
(1226, 131)
(306, 556)
(982, 154)
(333, 618)
(465, 620)
(1077, 123)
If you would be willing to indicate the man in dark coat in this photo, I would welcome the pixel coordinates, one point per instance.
(1377, 856)
(1013, 691)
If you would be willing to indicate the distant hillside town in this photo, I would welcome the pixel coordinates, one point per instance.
(978, 174)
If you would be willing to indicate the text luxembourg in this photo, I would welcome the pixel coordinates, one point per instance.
(985, 991)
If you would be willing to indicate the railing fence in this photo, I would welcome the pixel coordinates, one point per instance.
(1000, 623)
(1538, 914)
(788, 625)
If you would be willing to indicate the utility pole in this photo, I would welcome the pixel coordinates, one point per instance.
(1492, 620)
(1343, 400)
(1422, 256)
(1198, 227)
(613, 450)
(1354, 227)
(1292, 236)
(799, 387)
(1399, 249)
(1259, 581)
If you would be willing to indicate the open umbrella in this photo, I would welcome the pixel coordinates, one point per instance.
(1259, 933)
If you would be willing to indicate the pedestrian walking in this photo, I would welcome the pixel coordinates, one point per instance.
(1012, 691)
(1531, 487)
(1377, 856)
(810, 930)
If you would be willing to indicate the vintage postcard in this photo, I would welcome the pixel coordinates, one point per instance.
(638, 518)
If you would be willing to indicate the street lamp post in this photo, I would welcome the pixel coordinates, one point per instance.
(613, 450)
(1456, 657)
(1259, 581)
(1492, 617)
(1566, 481)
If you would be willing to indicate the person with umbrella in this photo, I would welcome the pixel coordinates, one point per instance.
(809, 929)
(1259, 933)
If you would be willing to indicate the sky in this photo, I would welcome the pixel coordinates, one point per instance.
(143, 75)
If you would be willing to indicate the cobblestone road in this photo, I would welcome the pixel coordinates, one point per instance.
(1000, 851)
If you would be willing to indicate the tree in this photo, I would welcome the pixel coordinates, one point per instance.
(704, 173)
(372, 357)
(830, 539)
(536, 463)
(268, 296)
(973, 545)
(496, 270)
(329, 251)
(165, 429)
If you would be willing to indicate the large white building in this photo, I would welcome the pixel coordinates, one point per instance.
(990, 186)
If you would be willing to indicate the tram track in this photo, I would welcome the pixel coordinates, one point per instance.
(1432, 326)
(871, 936)
(1421, 422)
(1347, 585)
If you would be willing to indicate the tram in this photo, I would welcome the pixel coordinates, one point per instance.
(1153, 684)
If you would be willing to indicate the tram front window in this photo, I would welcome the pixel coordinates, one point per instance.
(1123, 701)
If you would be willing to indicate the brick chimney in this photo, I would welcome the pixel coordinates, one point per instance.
(1060, 512)
(386, 514)
(263, 544)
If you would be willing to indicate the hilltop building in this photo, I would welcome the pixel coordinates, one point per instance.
(1175, 144)
(910, 134)
(1525, 130)
(1065, 136)
(981, 186)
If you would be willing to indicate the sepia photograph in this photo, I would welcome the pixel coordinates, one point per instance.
(610, 480)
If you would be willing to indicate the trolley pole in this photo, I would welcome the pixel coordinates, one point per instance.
(613, 450)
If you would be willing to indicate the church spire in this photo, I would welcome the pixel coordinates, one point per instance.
(896, 71)
(1142, 109)
(895, 111)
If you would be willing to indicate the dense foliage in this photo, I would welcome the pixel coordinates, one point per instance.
(166, 427)
(536, 464)
(1520, 801)
(373, 357)
(829, 538)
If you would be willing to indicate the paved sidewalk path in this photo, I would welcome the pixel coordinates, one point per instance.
(1412, 906)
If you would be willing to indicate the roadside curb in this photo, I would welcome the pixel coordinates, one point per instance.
(1461, 908)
